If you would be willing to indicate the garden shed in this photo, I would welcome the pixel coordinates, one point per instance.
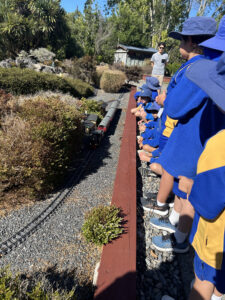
(132, 56)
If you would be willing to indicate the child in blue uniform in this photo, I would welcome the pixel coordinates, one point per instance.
(194, 29)
(208, 193)
(199, 119)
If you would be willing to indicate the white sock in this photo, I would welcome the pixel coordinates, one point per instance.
(160, 203)
(180, 236)
(214, 297)
(174, 217)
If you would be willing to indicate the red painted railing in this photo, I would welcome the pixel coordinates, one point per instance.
(117, 272)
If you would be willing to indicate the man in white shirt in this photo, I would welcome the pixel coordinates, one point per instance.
(159, 61)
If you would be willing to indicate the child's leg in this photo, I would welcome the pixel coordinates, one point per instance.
(166, 186)
(202, 290)
(186, 216)
(156, 168)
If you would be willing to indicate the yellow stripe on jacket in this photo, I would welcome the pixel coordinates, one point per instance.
(170, 124)
(209, 237)
(209, 240)
(214, 154)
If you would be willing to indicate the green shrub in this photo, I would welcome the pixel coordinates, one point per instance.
(112, 81)
(42, 54)
(99, 71)
(24, 81)
(102, 225)
(133, 73)
(172, 68)
(12, 288)
(38, 144)
(83, 68)
(91, 107)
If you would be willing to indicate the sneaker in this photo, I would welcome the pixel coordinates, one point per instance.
(151, 205)
(168, 244)
(163, 224)
(154, 195)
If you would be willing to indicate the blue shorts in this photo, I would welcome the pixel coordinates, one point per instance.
(206, 272)
(176, 190)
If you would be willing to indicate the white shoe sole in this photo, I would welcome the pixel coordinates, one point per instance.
(161, 213)
(170, 249)
(163, 228)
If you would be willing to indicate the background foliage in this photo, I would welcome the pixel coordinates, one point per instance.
(30, 24)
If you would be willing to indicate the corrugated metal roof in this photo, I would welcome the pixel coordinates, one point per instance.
(130, 48)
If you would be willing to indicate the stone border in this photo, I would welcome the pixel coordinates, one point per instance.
(117, 271)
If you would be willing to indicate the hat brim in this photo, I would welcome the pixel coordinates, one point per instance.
(154, 88)
(199, 73)
(175, 35)
(214, 43)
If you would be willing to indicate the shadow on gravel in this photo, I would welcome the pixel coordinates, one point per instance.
(158, 273)
(64, 282)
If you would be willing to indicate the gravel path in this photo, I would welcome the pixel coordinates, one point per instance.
(57, 251)
(159, 273)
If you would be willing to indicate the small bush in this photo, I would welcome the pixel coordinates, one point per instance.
(147, 67)
(112, 81)
(14, 288)
(102, 225)
(172, 68)
(83, 68)
(38, 144)
(99, 71)
(23, 81)
(42, 54)
(91, 107)
(133, 73)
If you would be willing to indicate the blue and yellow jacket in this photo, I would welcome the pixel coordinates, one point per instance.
(208, 199)
(170, 123)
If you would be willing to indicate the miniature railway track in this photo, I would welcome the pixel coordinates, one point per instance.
(21, 235)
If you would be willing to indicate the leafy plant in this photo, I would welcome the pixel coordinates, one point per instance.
(92, 107)
(172, 68)
(102, 224)
(23, 81)
(112, 81)
(38, 144)
(83, 68)
(13, 288)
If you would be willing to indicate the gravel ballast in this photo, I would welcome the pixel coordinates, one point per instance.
(57, 249)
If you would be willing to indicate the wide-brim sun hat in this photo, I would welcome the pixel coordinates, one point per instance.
(218, 41)
(146, 93)
(144, 86)
(196, 26)
(210, 77)
(153, 83)
(155, 106)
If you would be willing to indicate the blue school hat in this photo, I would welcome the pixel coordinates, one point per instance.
(153, 83)
(144, 86)
(136, 95)
(155, 106)
(146, 93)
(210, 77)
(196, 26)
(218, 41)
